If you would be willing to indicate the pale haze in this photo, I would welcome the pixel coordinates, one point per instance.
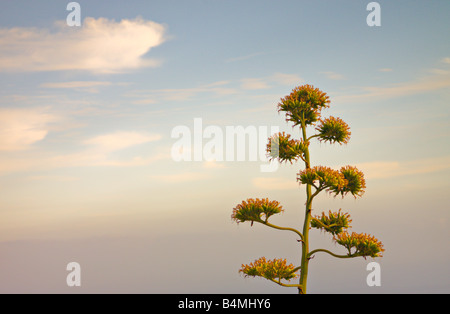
(86, 117)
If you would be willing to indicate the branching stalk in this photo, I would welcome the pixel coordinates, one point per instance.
(329, 252)
(278, 282)
(282, 228)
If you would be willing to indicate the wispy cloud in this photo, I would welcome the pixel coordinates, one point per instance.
(75, 84)
(53, 178)
(439, 71)
(246, 57)
(92, 158)
(144, 101)
(390, 169)
(120, 140)
(333, 75)
(254, 83)
(181, 177)
(216, 89)
(275, 183)
(287, 79)
(213, 165)
(21, 128)
(103, 150)
(84, 86)
(152, 96)
(434, 82)
(100, 45)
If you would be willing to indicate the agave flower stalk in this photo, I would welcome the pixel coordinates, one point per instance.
(303, 107)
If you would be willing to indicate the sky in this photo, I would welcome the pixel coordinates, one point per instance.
(87, 114)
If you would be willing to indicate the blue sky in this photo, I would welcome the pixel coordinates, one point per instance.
(86, 115)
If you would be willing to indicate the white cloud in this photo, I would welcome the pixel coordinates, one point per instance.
(287, 79)
(216, 89)
(181, 177)
(439, 71)
(254, 83)
(180, 94)
(100, 45)
(52, 178)
(22, 131)
(427, 84)
(120, 140)
(390, 169)
(446, 60)
(275, 183)
(93, 158)
(17, 164)
(144, 101)
(75, 84)
(385, 70)
(277, 78)
(333, 75)
(100, 151)
(246, 57)
(21, 128)
(213, 165)
(80, 86)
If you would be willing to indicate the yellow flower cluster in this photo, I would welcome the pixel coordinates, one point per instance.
(364, 244)
(348, 180)
(356, 183)
(304, 102)
(325, 176)
(254, 209)
(334, 222)
(269, 269)
(334, 130)
(284, 148)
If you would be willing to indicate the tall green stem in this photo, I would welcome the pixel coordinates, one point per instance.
(307, 222)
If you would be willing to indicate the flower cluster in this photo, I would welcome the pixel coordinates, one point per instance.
(254, 209)
(326, 177)
(284, 148)
(364, 244)
(333, 130)
(355, 183)
(269, 269)
(334, 223)
(304, 103)
(348, 180)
